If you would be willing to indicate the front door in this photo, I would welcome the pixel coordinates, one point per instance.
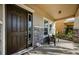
(16, 28)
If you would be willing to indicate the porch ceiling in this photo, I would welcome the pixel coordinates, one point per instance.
(59, 11)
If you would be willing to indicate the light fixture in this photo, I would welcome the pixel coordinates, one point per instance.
(59, 11)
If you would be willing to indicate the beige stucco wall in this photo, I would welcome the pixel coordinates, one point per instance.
(76, 23)
(59, 26)
(1, 13)
(77, 14)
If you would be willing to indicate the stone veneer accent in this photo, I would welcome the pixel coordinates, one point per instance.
(38, 35)
(76, 36)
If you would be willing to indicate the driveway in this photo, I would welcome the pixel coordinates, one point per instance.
(62, 47)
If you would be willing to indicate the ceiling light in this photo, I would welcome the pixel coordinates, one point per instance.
(59, 11)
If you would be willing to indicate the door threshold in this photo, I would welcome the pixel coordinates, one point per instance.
(23, 51)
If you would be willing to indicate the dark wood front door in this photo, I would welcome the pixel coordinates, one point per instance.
(16, 29)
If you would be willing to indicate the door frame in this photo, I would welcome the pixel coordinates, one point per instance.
(6, 25)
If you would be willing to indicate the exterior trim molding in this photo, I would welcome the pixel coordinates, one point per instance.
(66, 17)
(3, 32)
(25, 7)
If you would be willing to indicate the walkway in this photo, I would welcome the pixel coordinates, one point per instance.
(62, 47)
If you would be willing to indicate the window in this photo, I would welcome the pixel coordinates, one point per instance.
(45, 27)
(50, 27)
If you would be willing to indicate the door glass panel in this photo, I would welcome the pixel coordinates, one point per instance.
(30, 29)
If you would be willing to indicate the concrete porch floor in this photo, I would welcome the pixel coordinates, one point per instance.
(62, 47)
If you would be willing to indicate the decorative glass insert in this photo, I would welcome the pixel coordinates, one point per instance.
(29, 29)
